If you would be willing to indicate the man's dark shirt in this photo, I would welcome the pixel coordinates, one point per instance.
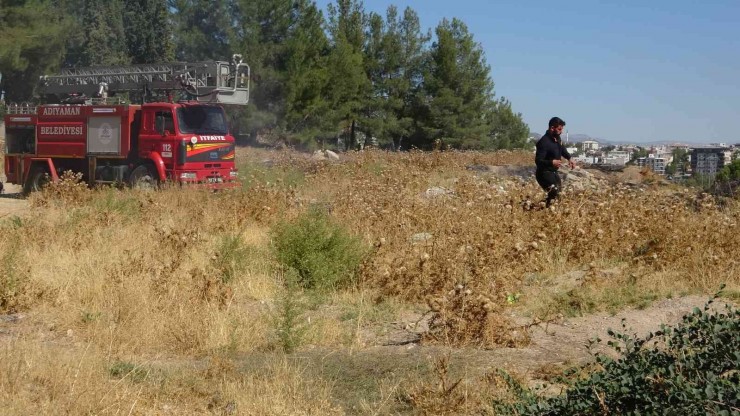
(549, 148)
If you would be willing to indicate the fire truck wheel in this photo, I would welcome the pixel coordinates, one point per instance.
(143, 177)
(37, 180)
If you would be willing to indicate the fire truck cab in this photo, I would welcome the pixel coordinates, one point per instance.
(142, 145)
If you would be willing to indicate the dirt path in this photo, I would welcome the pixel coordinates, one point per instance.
(561, 343)
(11, 201)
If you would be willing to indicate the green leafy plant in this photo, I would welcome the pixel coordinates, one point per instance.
(323, 253)
(289, 324)
(231, 257)
(689, 369)
(111, 201)
(125, 369)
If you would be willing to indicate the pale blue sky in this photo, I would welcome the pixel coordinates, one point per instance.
(636, 71)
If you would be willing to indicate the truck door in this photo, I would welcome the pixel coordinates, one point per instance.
(158, 133)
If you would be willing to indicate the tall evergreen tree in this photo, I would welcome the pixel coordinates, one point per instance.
(148, 31)
(458, 88)
(203, 29)
(264, 28)
(404, 52)
(376, 111)
(306, 73)
(345, 68)
(508, 130)
(105, 40)
(32, 39)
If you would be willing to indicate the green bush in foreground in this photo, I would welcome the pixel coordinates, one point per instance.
(689, 369)
(323, 253)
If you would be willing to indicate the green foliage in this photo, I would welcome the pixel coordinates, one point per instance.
(364, 78)
(457, 80)
(32, 37)
(252, 172)
(323, 253)
(508, 130)
(689, 369)
(148, 31)
(270, 24)
(639, 152)
(128, 370)
(105, 37)
(290, 328)
(114, 202)
(680, 163)
(345, 67)
(231, 257)
(394, 54)
(203, 29)
(730, 172)
(306, 75)
(13, 222)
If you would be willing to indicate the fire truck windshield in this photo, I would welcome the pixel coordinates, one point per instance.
(200, 119)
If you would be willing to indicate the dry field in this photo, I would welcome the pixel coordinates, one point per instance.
(175, 302)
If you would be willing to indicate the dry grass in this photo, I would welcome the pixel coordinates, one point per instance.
(114, 276)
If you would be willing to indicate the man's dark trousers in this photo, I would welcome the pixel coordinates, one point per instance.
(549, 181)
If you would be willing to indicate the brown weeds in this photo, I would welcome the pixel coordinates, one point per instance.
(142, 274)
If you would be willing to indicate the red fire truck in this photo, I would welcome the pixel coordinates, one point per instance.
(92, 131)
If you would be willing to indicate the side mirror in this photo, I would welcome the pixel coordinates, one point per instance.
(183, 152)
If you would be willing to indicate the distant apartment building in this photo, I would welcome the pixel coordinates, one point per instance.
(617, 157)
(656, 163)
(590, 145)
(710, 160)
(586, 160)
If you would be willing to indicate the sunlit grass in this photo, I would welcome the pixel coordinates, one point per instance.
(118, 282)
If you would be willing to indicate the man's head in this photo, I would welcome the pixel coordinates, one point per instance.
(556, 125)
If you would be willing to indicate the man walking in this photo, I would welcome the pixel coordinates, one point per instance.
(550, 150)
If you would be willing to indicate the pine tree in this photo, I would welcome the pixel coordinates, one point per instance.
(148, 31)
(306, 74)
(32, 39)
(105, 40)
(203, 29)
(508, 130)
(404, 51)
(345, 69)
(375, 114)
(458, 88)
(264, 29)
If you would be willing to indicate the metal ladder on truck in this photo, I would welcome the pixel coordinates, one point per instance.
(216, 82)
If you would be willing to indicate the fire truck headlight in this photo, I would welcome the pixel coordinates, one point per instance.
(233, 174)
(188, 175)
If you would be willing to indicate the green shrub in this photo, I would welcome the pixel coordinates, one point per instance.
(253, 172)
(323, 253)
(689, 369)
(124, 369)
(231, 257)
(730, 172)
(290, 327)
(112, 201)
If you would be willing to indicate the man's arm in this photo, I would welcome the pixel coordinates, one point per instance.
(567, 156)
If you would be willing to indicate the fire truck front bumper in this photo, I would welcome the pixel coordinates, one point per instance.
(212, 179)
